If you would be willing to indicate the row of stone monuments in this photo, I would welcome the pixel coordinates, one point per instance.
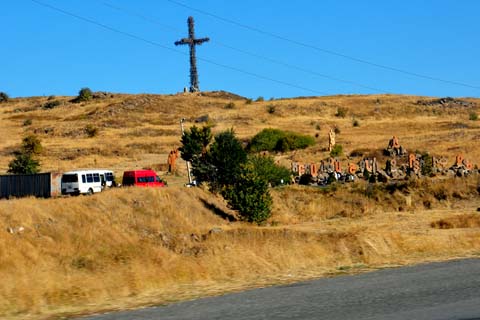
(399, 165)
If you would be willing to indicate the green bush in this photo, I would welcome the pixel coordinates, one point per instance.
(271, 108)
(293, 141)
(230, 105)
(266, 169)
(337, 151)
(31, 145)
(27, 122)
(91, 131)
(4, 97)
(248, 101)
(473, 116)
(341, 112)
(278, 140)
(85, 94)
(265, 140)
(260, 99)
(356, 123)
(250, 196)
(24, 161)
(51, 104)
(226, 156)
(194, 142)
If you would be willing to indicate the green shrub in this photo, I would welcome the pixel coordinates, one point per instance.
(265, 140)
(293, 141)
(27, 122)
(24, 161)
(248, 101)
(4, 97)
(356, 123)
(266, 169)
(473, 116)
(271, 108)
(31, 145)
(226, 156)
(278, 140)
(250, 196)
(260, 99)
(341, 112)
(337, 151)
(91, 131)
(230, 105)
(337, 130)
(51, 104)
(85, 94)
(195, 142)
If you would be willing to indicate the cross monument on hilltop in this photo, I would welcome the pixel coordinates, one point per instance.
(192, 42)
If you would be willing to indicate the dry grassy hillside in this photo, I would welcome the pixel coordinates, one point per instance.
(129, 247)
(140, 130)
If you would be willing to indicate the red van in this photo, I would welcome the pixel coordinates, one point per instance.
(142, 178)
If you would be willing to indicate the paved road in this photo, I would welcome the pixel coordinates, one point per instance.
(437, 291)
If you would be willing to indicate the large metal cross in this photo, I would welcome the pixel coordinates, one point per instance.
(192, 42)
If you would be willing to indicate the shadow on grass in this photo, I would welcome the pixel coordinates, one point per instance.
(218, 211)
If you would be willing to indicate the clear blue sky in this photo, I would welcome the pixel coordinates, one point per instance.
(45, 52)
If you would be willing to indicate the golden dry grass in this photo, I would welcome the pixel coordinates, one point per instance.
(128, 247)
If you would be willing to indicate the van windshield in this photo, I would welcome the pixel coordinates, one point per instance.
(69, 178)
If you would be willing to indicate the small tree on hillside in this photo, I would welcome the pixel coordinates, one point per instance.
(24, 161)
(226, 156)
(85, 94)
(194, 149)
(4, 97)
(195, 142)
(250, 196)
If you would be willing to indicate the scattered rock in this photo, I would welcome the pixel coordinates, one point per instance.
(203, 118)
(446, 102)
(13, 230)
(215, 230)
(102, 95)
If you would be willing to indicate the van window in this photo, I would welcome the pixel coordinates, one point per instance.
(157, 179)
(96, 177)
(142, 179)
(89, 178)
(83, 178)
(150, 179)
(109, 176)
(70, 178)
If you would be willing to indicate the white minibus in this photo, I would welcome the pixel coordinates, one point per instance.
(86, 181)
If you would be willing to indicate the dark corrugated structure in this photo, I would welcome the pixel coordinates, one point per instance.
(24, 185)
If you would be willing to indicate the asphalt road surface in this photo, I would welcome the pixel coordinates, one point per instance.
(438, 291)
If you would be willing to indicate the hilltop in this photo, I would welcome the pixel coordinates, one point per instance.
(130, 247)
(139, 130)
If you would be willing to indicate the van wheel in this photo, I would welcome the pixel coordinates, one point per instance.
(90, 192)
